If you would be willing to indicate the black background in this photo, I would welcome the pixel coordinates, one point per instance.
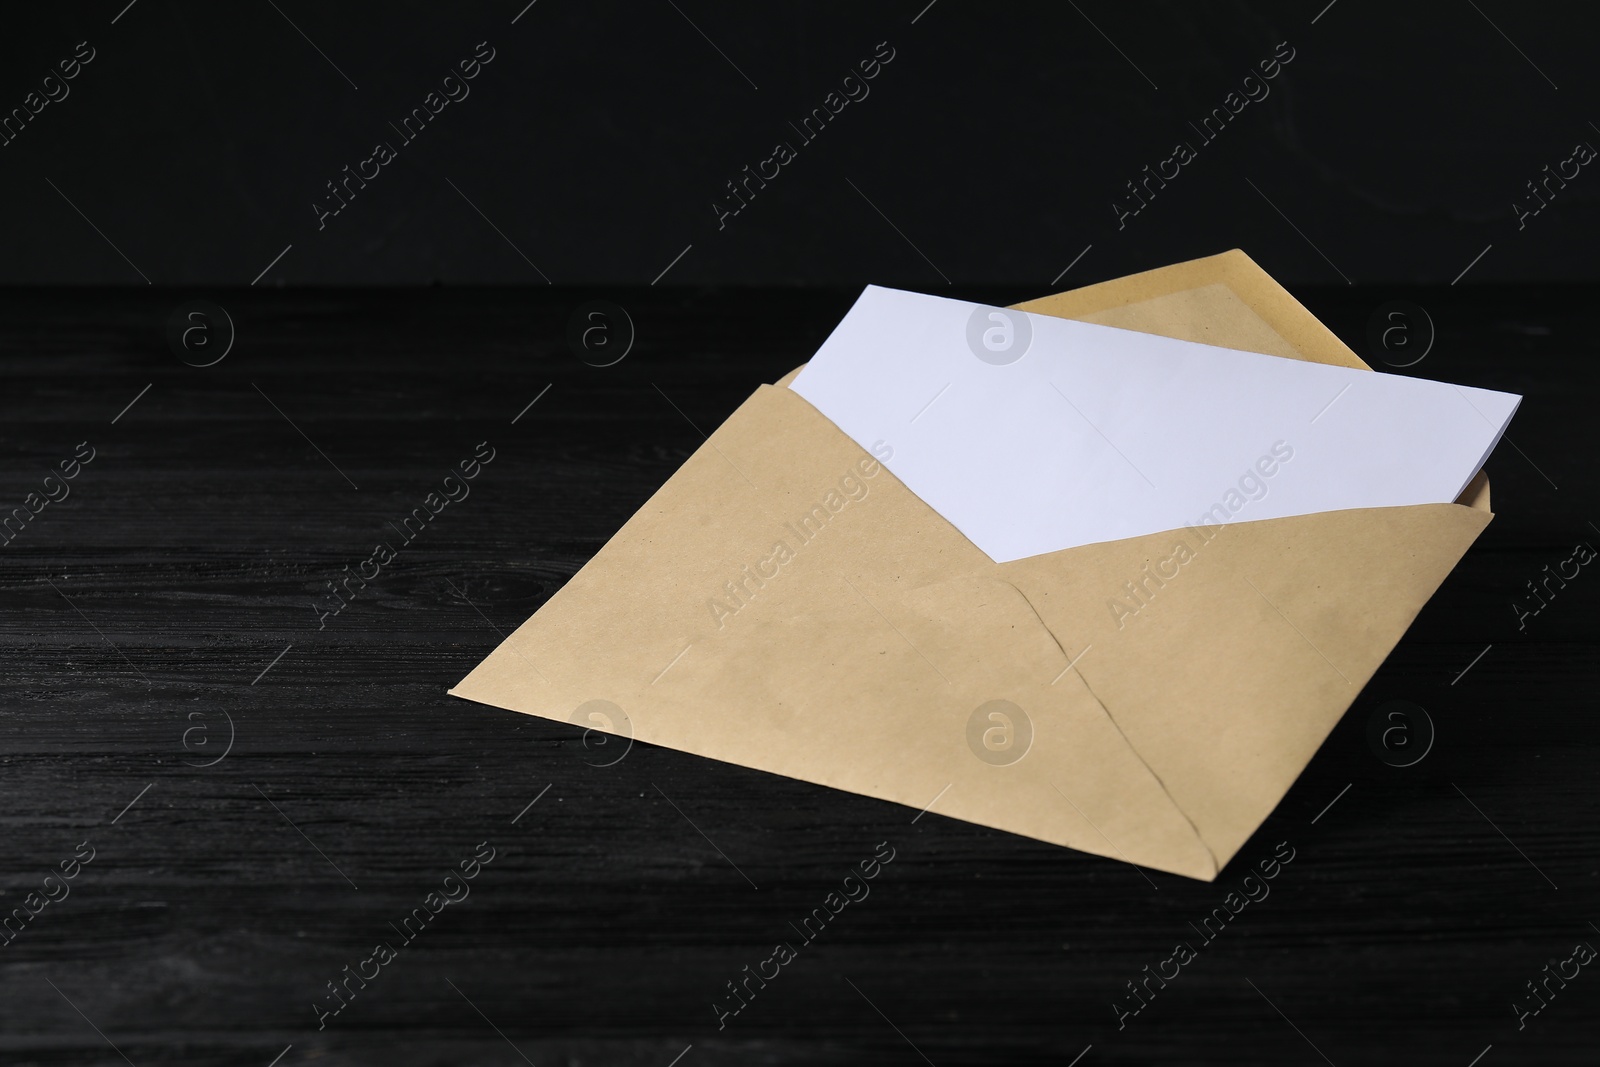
(601, 135)
(163, 610)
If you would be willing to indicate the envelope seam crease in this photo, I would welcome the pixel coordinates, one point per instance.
(1216, 868)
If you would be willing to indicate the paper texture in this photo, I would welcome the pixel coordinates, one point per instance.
(868, 651)
(1032, 434)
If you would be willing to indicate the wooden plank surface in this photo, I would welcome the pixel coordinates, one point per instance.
(266, 799)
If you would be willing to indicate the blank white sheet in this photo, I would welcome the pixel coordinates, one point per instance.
(1098, 434)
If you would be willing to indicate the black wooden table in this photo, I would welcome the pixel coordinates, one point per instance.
(248, 797)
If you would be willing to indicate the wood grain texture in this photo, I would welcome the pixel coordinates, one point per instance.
(144, 606)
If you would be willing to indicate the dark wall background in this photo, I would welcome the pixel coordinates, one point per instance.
(989, 150)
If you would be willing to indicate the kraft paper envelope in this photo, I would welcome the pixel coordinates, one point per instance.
(883, 653)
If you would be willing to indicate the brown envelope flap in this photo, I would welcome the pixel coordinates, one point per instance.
(1224, 300)
(776, 606)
